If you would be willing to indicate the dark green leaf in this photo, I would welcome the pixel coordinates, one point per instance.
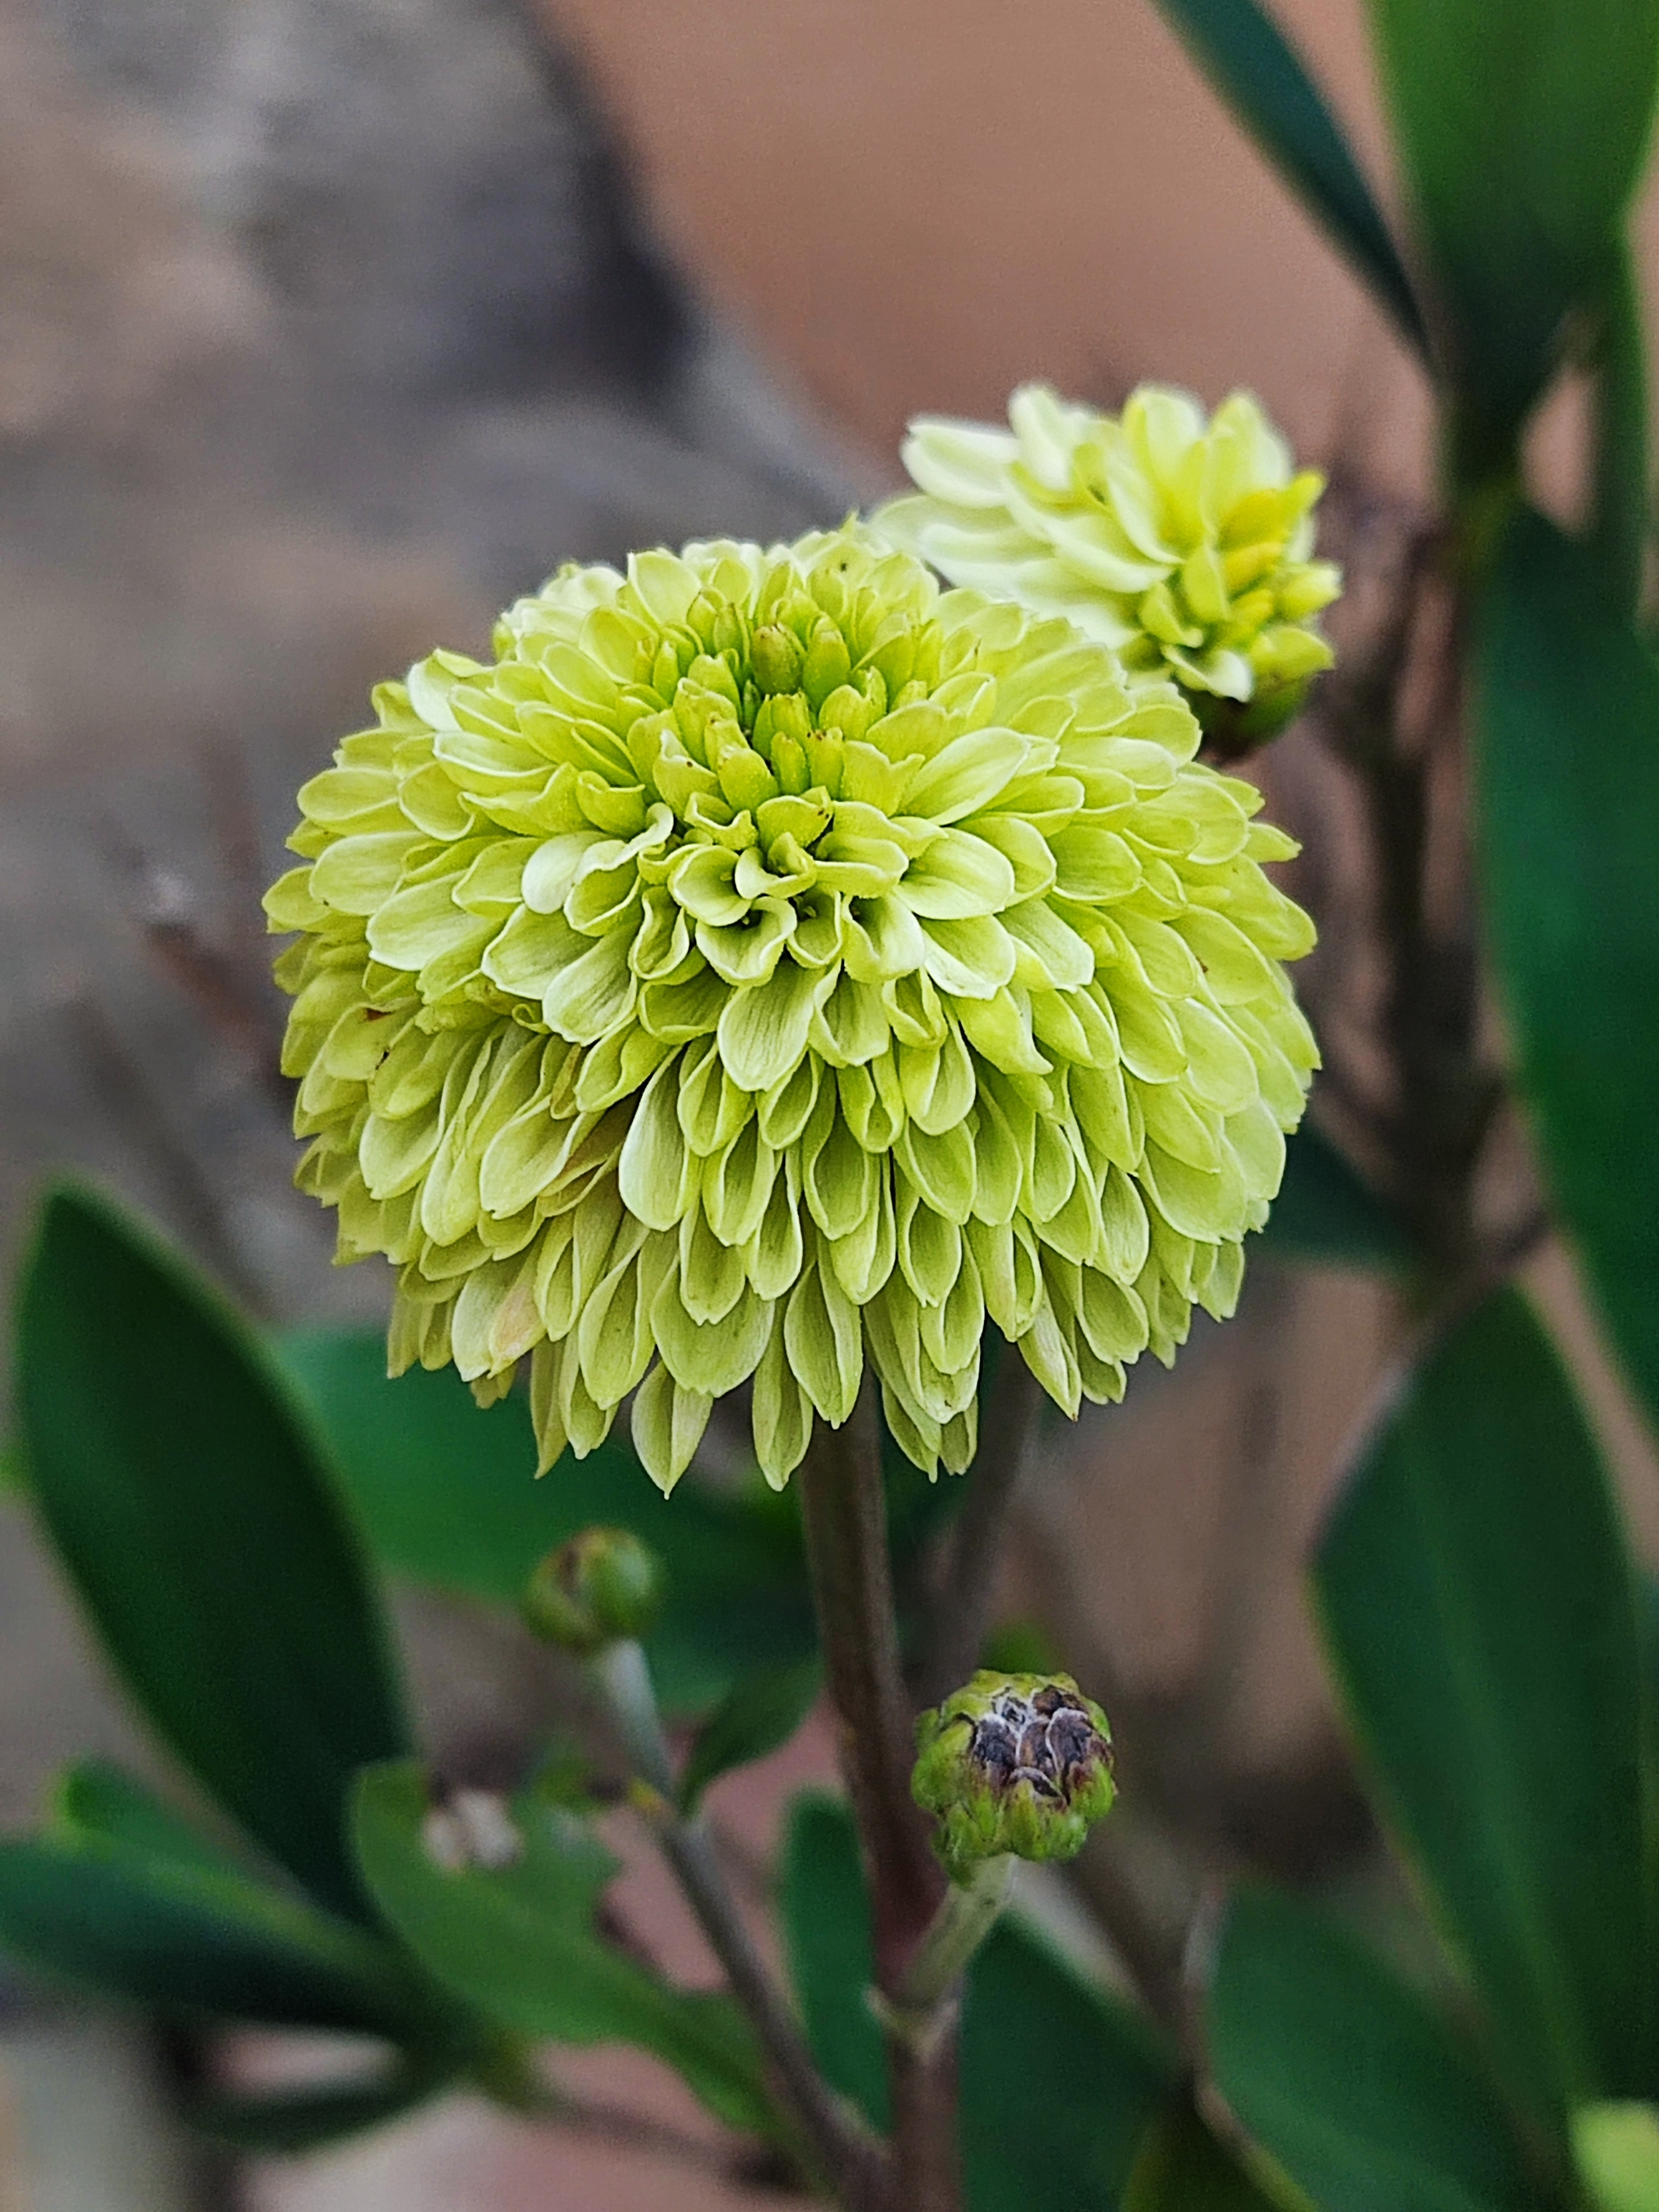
(1621, 517)
(825, 1914)
(1567, 759)
(1480, 1611)
(1181, 2167)
(447, 1495)
(1036, 2038)
(187, 1938)
(97, 1798)
(756, 1717)
(1521, 131)
(1253, 66)
(1346, 2078)
(517, 1943)
(288, 2121)
(184, 1495)
(1325, 1214)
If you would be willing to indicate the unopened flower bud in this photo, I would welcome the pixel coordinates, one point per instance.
(599, 1588)
(1018, 1764)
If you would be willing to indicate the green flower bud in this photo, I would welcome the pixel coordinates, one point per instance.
(601, 1586)
(1014, 1764)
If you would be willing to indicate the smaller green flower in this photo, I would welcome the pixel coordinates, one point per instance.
(601, 1588)
(1016, 1765)
(1183, 542)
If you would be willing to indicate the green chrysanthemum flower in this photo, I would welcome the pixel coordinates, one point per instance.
(1182, 544)
(772, 963)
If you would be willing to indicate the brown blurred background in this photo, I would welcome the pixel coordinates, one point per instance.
(327, 324)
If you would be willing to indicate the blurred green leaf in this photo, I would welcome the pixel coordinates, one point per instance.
(1325, 1214)
(1521, 131)
(756, 1716)
(1567, 765)
(1052, 2069)
(286, 2123)
(1617, 2150)
(1247, 57)
(186, 1938)
(517, 1943)
(1181, 2167)
(1038, 2039)
(1620, 514)
(185, 1498)
(1481, 1618)
(95, 1798)
(448, 1496)
(825, 1915)
(1346, 2078)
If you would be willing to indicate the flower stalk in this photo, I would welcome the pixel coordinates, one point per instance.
(923, 2006)
(843, 1511)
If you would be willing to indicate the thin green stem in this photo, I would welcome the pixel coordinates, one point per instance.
(922, 2005)
(849, 2162)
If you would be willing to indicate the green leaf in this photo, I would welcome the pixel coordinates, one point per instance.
(1567, 767)
(186, 1500)
(517, 1943)
(1325, 1215)
(1051, 2068)
(96, 1799)
(1346, 2078)
(1621, 521)
(1480, 1614)
(757, 1715)
(189, 1939)
(1521, 131)
(1616, 2148)
(1257, 71)
(825, 1914)
(448, 1496)
(1181, 2167)
(292, 2121)
(1036, 2038)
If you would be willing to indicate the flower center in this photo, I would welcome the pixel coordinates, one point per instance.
(1047, 1742)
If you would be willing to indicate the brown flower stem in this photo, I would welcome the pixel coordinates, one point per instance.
(962, 1611)
(844, 1515)
(833, 2140)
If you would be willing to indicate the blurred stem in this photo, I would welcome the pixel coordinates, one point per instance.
(843, 1513)
(1619, 513)
(960, 1613)
(848, 2161)
(1441, 1098)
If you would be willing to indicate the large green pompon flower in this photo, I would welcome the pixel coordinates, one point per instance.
(772, 963)
(1181, 543)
